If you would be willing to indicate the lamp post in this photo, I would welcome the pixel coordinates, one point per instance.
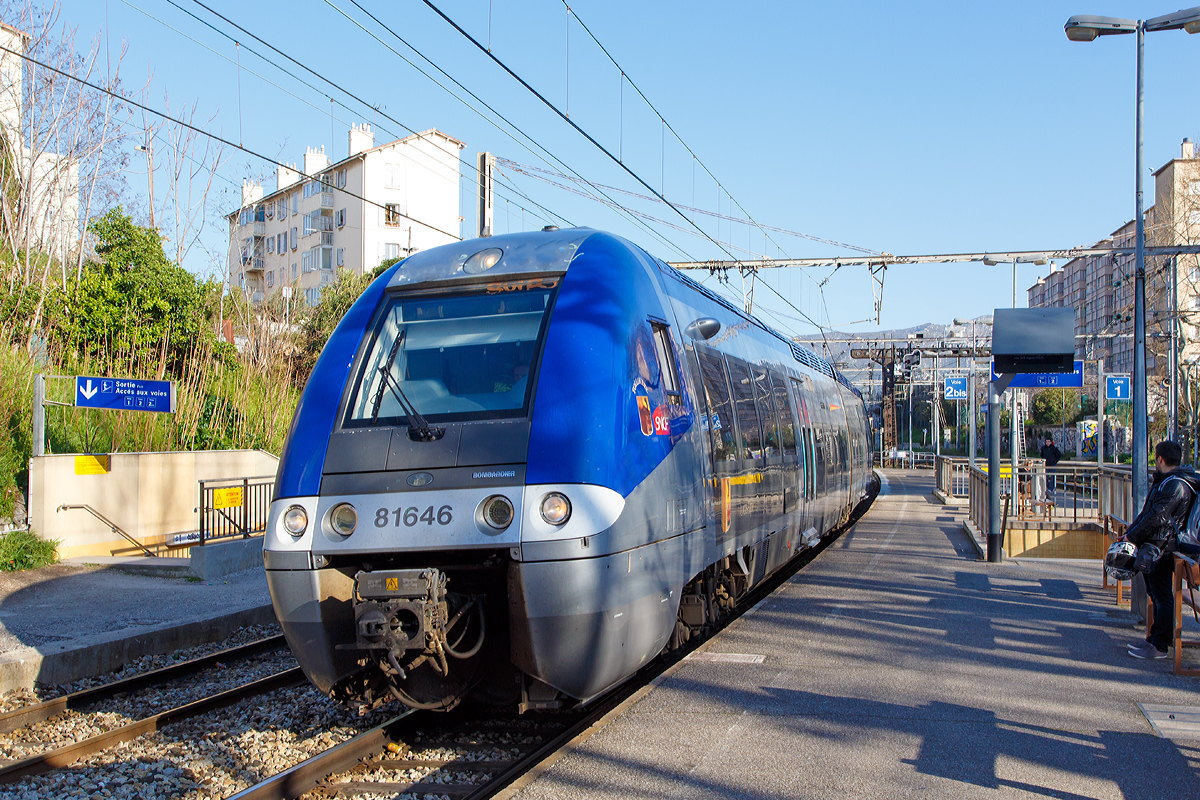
(1085, 28)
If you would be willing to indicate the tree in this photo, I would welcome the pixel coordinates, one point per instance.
(336, 299)
(61, 154)
(134, 302)
(1050, 405)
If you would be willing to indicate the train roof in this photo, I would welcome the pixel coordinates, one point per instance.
(552, 251)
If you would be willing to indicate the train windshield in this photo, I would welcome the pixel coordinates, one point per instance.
(457, 358)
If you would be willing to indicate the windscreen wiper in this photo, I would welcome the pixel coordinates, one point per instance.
(416, 423)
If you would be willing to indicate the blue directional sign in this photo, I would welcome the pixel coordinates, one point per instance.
(1116, 387)
(124, 394)
(1046, 380)
(956, 389)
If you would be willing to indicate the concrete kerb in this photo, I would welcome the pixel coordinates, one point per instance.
(54, 664)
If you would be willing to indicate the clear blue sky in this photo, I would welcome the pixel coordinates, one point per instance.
(910, 128)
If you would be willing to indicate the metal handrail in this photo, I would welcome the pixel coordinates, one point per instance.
(115, 527)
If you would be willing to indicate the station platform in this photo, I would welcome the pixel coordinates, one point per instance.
(85, 617)
(897, 664)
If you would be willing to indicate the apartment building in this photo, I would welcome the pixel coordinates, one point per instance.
(379, 202)
(1101, 288)
(47, 182)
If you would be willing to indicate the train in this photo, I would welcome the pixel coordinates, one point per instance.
(526, 465)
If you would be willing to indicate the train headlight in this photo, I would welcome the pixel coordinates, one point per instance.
(483, 261)
(295, 520)
(497, 512)
(556, 508)
(343, 519)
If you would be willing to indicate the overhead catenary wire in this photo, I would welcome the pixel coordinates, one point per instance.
(284, 70)
(479, 100)
(568, 120)
(215, 137)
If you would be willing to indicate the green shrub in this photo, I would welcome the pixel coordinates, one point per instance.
(26, 550)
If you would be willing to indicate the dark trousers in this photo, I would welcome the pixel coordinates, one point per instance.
(1158, 584)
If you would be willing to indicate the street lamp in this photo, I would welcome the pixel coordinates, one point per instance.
(1085, 28)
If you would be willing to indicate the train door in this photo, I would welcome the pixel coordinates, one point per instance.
(723, 440)
(748, 495)
(789, 450)
(772, 485)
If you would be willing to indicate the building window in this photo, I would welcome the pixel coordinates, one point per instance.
(310, 224)
(295, 239)
(341, 216)
(341, 179)
(326, 279)
(393, 176)
(391, 215)
(391, 250)
(270, 278)
(295, 202)
(308, 260)
(341, 256)
(270, 244)
(312, 296)
(294, 271)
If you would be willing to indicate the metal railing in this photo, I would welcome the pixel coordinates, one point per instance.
(1076, 493)
(903, 459)
(234, 507)
(114, 526)
(953, 475)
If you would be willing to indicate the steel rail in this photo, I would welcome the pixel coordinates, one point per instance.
(40, 712)
(314, 772)
(69, 754)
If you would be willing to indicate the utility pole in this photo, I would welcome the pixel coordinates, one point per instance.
(1173, 361)
(148, 148)
(486, 168)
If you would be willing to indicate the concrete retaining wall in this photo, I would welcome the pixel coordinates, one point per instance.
(1038, 539)
(149, 495)
(225, 558)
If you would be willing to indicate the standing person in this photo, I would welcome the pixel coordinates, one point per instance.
(1168, 502)
(1052, 455)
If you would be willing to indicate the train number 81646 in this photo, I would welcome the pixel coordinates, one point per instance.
(412, 516)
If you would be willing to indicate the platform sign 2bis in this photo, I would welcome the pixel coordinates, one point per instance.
(1116, 387)
(956, 389)
(125, 394)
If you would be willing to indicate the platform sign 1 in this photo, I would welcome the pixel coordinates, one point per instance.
(956, 389)
(1046, 380)
(125, 394)
(1116, 387)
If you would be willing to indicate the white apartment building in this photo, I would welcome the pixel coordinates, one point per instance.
(377, 203)
(49, 182)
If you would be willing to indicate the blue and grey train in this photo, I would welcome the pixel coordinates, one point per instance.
(525, 465)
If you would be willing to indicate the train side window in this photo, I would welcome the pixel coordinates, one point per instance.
(787, 419)
(747, 415)
(767, 413)
(666, 362)
(720, 409)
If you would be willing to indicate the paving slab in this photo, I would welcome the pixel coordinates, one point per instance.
(898, 664)
(74, 620)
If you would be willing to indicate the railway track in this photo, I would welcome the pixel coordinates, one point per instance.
(58, 757)
(473, 754)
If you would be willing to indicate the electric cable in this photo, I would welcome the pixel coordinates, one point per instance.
(216, 138)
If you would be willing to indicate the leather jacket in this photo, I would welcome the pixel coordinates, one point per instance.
(1170, 498)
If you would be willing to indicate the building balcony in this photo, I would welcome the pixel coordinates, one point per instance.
(326, 199)
(254, 264)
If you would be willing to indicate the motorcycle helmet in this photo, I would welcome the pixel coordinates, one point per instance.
(1118, 563)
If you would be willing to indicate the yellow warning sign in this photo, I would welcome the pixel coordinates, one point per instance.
(227, 498)
(393, 584)
(91, 465)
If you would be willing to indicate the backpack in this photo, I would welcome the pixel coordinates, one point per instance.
(1190, 534)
